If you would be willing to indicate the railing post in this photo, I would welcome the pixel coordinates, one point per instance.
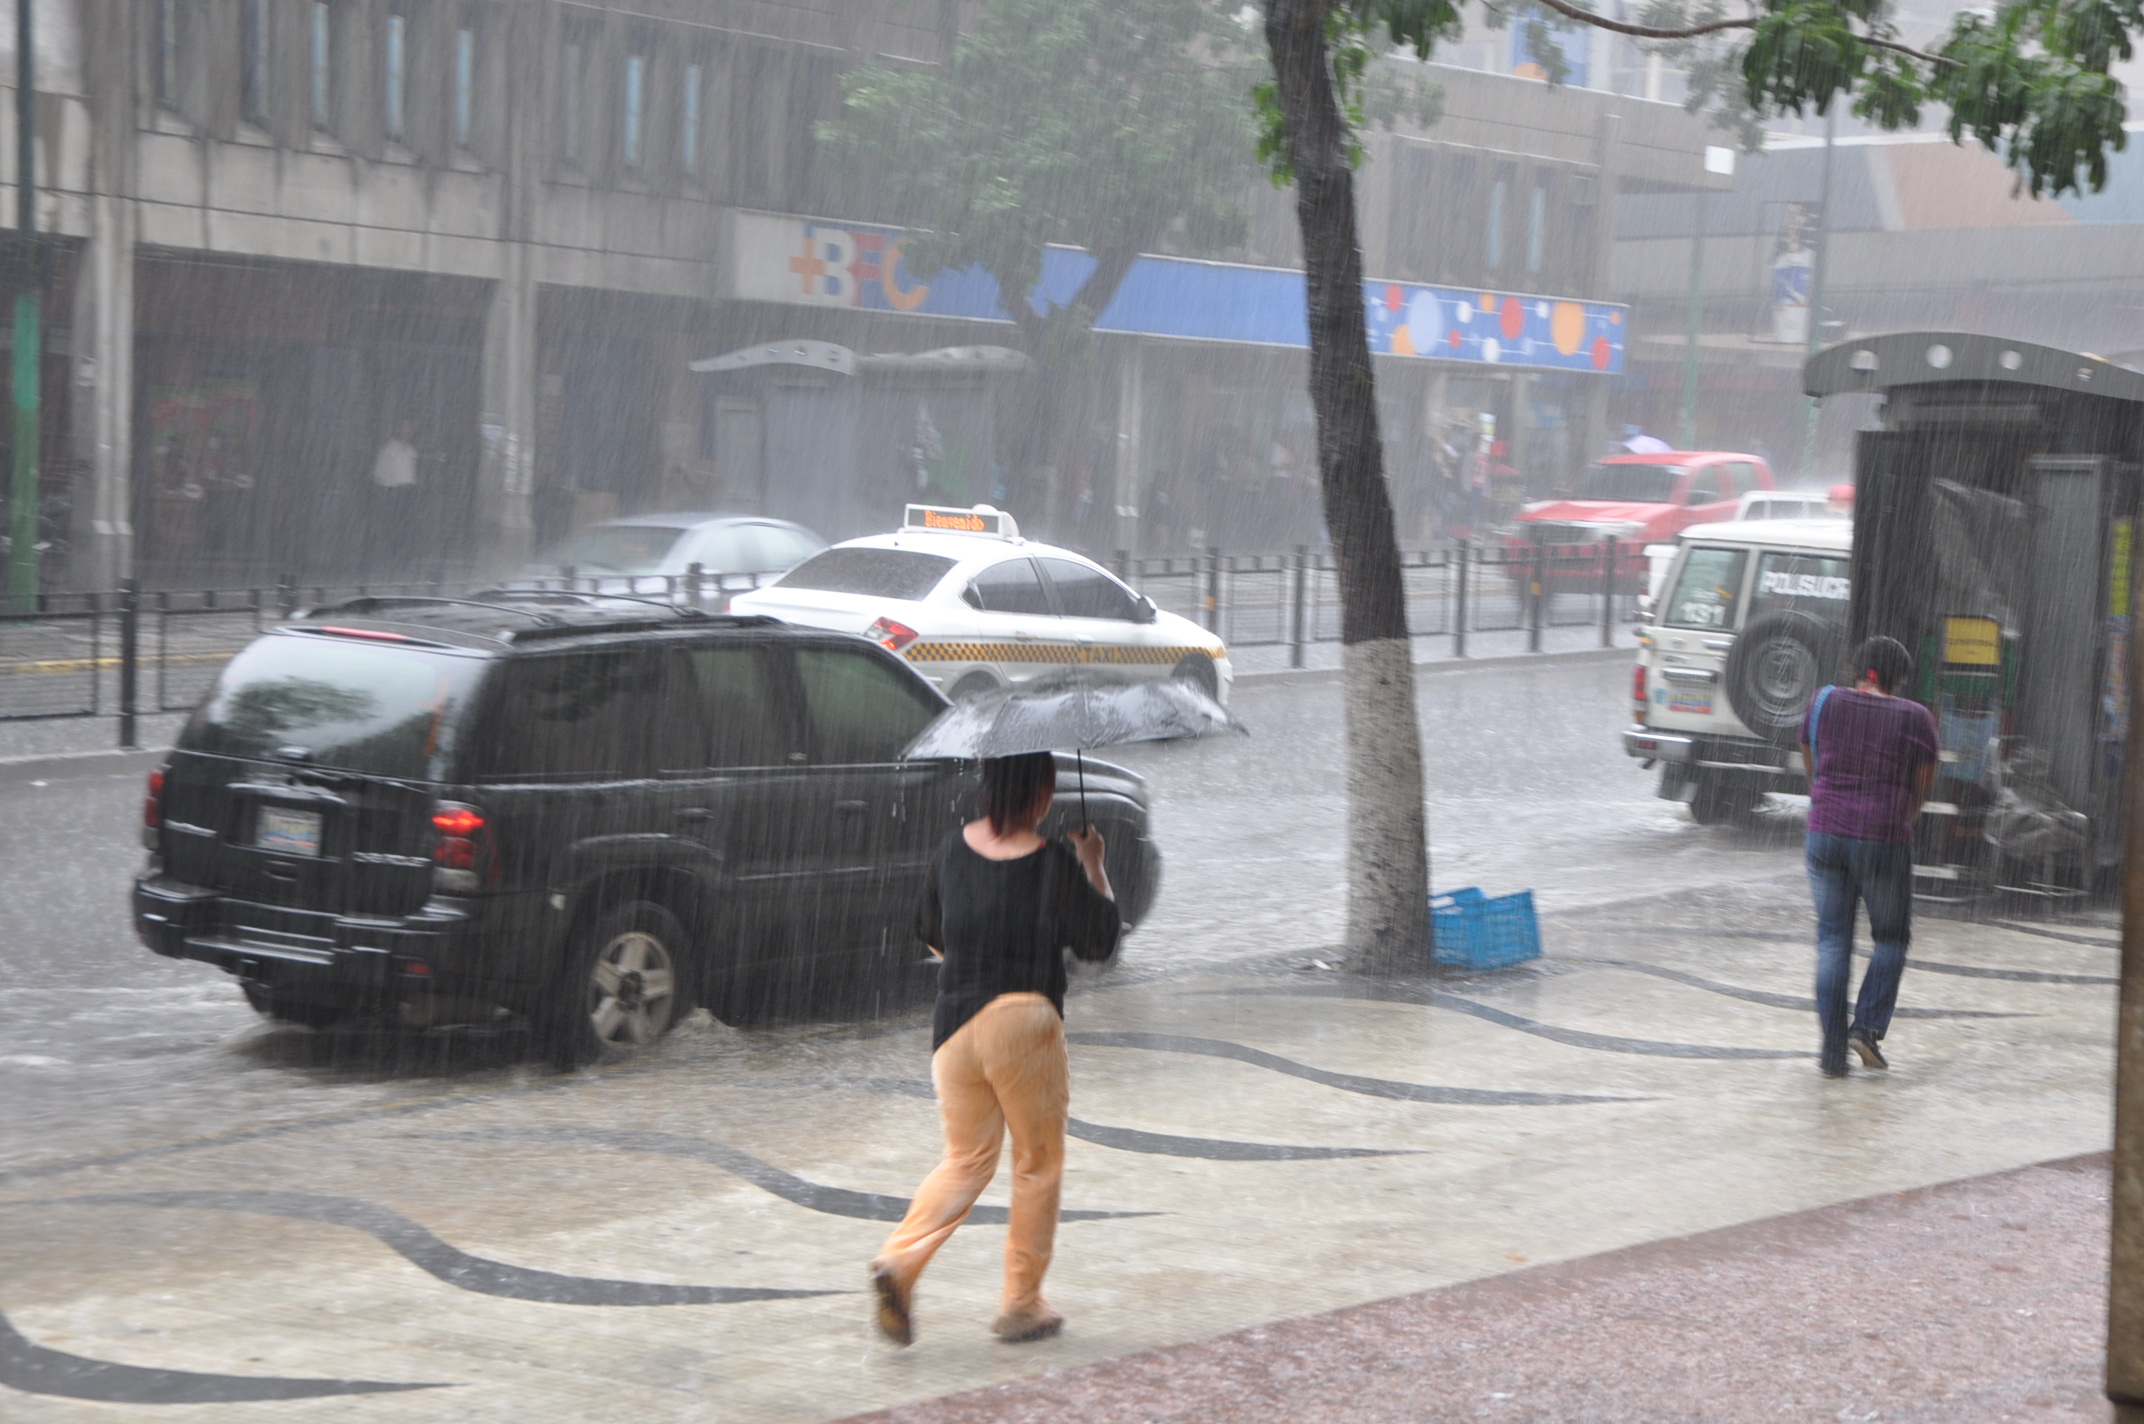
(693, 574)
(1538, 584)
(1213, 588)
(129, 660)
(1120, 564)
(1295, 617)
(1460, 553)
(1608, 596)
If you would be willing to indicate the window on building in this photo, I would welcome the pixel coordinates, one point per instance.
(167, 53)
(569, 102)
(1537, 224)
(1493, 239)
(393, 86)
(636, 87)
(254, 67)
(464, 85)
(688, 139)
(320, 64)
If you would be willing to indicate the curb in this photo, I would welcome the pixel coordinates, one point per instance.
(1502, 662)
(70, 766)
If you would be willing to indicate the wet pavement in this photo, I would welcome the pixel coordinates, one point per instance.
(198, 1211)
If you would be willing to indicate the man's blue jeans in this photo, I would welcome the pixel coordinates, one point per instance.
(1844, 871)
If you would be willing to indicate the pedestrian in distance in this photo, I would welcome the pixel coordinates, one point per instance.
(1871, 757)
(1000, 908)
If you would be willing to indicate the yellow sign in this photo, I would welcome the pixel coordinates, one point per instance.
(1972, 642)
(2125, 538)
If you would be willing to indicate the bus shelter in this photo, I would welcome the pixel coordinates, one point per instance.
(1994, 530)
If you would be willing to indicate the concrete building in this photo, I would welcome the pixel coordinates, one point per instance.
(291, 235)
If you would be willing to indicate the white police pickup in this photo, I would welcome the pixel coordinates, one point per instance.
(1749, 622)
(974, 607)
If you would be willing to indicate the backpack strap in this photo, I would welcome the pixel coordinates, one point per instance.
(1816, 717)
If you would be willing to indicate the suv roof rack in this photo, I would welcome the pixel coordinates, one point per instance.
(556, 620)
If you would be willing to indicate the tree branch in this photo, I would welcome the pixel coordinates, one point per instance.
(1648, 32)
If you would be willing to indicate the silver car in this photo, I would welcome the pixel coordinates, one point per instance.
(649, 554)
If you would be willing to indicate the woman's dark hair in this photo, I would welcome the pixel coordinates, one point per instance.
(1012, 785)
(1887, 658)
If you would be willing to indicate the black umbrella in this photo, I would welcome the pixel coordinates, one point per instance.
(1073, 716)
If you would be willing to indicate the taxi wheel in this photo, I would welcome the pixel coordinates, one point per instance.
(1197, 669)
(975, 684)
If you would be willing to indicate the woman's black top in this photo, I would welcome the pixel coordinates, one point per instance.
(1004, 926)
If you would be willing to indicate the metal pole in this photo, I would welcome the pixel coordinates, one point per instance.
(129, 659)
(1295, 621)
(2125, 1274)
(1539, 586)
(1816, 285)
(1459, 611)
(693, 575)
(1213, 588)
(22, 553)
(1608, 596)
(1696, 323)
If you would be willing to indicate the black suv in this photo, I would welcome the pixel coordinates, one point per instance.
(577, 813)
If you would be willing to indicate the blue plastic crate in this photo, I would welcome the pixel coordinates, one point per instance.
(1476, 931)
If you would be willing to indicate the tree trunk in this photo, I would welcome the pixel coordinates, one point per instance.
(1388, 849)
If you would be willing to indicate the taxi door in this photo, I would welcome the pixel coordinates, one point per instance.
(1101, 618)
(1016, 625)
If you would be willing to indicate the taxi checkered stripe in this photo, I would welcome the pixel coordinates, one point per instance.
(950, 652)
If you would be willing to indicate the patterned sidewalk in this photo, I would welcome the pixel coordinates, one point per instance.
(1528, 1161)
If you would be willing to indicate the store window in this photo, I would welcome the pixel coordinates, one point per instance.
(394, 86)
(254, 66)
(320, 65)
(569, 101)
(1537, 224)
(631, 144)
(1493, 239)
(688, 139)
(464, 86)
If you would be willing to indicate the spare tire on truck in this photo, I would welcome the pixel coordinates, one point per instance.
(1775, 668)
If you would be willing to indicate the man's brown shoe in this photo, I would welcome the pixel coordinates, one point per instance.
(1019, 1329)
(892, 1307)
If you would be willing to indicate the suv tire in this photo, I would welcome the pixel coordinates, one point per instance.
(1776, 666)
(1198, 670)
(1715, 801)
(622, 987)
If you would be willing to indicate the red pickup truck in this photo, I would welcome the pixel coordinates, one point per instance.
(1635, 500)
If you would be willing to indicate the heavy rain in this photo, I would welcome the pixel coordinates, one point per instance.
(956, 710)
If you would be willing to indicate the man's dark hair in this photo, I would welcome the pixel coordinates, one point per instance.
(1012, 784)
(1888, 659)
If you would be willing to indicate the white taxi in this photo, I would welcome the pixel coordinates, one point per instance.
(974, 607)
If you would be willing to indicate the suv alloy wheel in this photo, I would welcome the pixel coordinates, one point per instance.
(622, 987)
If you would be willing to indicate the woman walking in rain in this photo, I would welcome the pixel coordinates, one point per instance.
(1001, 906)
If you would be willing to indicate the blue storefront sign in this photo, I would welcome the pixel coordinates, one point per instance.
(801, 261)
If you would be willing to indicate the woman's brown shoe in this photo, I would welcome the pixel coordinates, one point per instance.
(1019, 1329)
(892, 1307)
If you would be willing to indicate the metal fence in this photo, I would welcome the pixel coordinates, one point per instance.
(130, 653)
(1452, 590)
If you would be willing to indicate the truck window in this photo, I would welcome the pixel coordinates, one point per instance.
(1707, 589)
(737, 691)
(1704, 486)
(1807, 583)
(583, 715)
(860, 709)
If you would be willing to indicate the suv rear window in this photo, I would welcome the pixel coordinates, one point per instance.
(879, 573)
(353, 705)
(1808, 583)
(1708, 589)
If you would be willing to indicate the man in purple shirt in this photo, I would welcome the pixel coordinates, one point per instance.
(1871, 756)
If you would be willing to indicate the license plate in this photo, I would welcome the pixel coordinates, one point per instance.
(288, 832)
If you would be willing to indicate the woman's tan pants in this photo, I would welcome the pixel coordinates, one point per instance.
(1004, 1068)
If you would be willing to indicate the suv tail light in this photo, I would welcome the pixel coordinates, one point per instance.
(461, 857)
(152, 810)
(890, 635)
(1637, 694)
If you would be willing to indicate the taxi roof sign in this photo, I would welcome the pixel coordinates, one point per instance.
(982, 519)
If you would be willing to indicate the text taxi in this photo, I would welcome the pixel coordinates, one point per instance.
(974, 607)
